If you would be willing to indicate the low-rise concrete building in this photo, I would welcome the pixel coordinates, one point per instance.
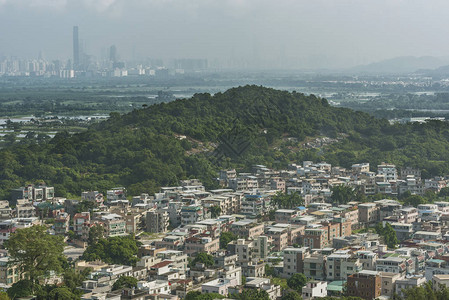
(365, 284)
(314, 289)
(219, 286)
(201, 244)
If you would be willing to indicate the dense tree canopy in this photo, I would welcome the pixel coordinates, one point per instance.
(69, 289)
(426, 291)
(341, 298)
(62, 293)
(96, 232)
(124, 282)
(444, 192)
(388, 233)
(215, 211)
(22, 288)
(226, 238)
(297, 281)
(197, 295)
(292, 296)
(414, 200)
(35, 251)
(251, 294)
(284, 200)
(114, 250)
(203, 258)
(342, 194)
(74, 279)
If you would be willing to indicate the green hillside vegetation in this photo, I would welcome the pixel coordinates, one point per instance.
(241, 127)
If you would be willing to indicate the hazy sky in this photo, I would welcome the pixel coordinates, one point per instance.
(299, 33)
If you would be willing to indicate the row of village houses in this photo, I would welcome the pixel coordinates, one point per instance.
(316, 239)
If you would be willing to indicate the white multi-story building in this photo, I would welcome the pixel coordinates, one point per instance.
(154, 287)
(340, 264)
(407, 283)
(157, 220)
(443, 206)
(391, 265)
(314, 289)
(219, 286)
(388, 171)
(191, 214)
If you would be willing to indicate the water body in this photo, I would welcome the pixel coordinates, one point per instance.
(445, 111)
(28, 118)
(22, 119)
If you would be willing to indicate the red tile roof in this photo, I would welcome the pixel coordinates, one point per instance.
(161, 264)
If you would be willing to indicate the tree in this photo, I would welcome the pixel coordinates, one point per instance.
(196, 295)
(85, 205)
(426, 291)
(226, 238)
(405, 195)
(291, 296)
(115, 250)
(297, 281)
(430, 196)
(124, 282)
(73, 279)
(10, 138)
(284, 200)
(42, 138)
(20, 289)
(62, 293)
(71, 234)
(203, 258)
(444, 192)
(388, 233)
(215, 211)
(252, 294)
(414, 200)
(390, 236)
(193, 295)
(342, 194)
(269, 270)
(35, 251)
(96, 232)
(341, 298)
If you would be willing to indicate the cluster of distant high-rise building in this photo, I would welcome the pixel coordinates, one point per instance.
(84, 65)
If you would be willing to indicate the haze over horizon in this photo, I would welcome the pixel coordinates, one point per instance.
(252, 33)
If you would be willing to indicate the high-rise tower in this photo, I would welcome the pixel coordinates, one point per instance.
(76, 49)
(113, 54)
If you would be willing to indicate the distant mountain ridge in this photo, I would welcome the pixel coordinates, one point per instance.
(442, 71)
(401, 65)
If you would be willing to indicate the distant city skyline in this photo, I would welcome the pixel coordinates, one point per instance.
(76, 48)
(247, 33)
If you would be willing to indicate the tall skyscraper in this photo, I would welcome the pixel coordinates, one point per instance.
(113, 54)
(76, 49)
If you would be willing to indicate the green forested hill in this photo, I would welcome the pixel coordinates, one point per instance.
(240, 127)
